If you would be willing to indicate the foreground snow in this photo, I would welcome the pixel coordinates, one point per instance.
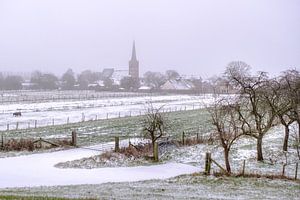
(38, 170)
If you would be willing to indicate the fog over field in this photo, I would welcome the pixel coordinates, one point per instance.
(195, 37)
(149, 99)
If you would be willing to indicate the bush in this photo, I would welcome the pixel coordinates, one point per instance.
(137, 151)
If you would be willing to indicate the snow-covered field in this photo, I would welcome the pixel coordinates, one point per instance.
(58, 112)
(38, 170)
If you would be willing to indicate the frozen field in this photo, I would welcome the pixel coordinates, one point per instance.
(62, 112)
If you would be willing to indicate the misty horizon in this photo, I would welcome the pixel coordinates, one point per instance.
(194, 38)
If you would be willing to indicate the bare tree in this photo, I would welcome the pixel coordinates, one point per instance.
(225, 119)
(281, 104)
(291, 85)
(296, 141)
(68, 80)
(255, 114)
(172, 74)
(154, 79)
(154, 125)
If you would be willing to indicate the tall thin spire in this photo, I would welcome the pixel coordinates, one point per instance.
(133, 64)
(133, 55)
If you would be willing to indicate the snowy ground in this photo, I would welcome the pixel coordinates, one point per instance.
(183, 187)
(38, 170)
(194, 155)
(58, 112)
(21, 174)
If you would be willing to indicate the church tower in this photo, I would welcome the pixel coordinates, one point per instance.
(133, 64)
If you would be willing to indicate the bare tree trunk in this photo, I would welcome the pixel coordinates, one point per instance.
(226, 154)
(286, 138)
(153, 150)
(299, 129)
(259, 149)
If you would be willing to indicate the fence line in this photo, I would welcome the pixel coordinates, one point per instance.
(62, 97)
(84, 118)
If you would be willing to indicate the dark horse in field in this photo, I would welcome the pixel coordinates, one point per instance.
(17, 114)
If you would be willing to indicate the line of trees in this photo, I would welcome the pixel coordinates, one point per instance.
(260, 104)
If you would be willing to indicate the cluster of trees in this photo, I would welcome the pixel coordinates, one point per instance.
(69, 80)
(10, 82)
(88, 79)
(260, 104)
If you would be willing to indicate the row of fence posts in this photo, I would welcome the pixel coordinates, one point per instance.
(209, 161)
(83, 118)
(73, 140)
(79, 97)
(17, 125)
(208, 158)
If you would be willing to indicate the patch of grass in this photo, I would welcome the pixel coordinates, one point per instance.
(94, 132)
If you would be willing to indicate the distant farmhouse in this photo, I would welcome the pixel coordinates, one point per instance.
(178, 84)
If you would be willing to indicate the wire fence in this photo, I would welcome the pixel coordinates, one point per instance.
(44, 96)
(65, 120)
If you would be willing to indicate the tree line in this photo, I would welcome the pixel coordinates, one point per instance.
(88, 79)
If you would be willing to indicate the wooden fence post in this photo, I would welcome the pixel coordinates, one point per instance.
(183, 138)
(82, 117)
(117, 144)
(2, 141)
(155, 152)
(8, 127)
(207, 163)
(296, 171)
(17, 125)
(68, 120)
(35, 123)
(243, 169)
(283, 169)
(74, 138)
(106, 115)
(40, 142)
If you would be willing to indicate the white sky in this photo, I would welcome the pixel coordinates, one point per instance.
(198, 37)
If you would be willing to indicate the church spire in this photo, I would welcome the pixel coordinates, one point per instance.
(133, 64)
(133, 55)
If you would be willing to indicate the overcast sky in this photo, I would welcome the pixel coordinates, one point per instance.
(198, 37)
